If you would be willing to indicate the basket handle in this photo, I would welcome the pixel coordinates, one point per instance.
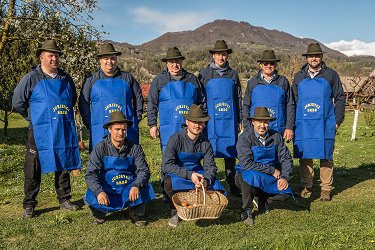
(204, 195)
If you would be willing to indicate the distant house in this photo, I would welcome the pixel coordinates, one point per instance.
(359, 90)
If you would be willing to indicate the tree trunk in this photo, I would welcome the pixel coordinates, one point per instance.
(6, 122)
(10, 15)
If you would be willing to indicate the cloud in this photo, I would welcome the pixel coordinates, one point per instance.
(169, 21)
(352, 48)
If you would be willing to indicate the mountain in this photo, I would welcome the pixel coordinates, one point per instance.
(238, 35)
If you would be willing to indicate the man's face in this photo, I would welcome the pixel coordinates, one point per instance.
(260, 126)
(268, 68)
(314, 61)
(108, 63)
(195, 127)
(118, 131)
(174, 66)
(220, 58)
(50, 60)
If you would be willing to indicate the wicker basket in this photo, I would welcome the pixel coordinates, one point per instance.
(201, 204)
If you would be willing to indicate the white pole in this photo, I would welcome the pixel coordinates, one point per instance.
(355, 123)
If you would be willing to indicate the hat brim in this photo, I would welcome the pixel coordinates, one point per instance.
(212, 51)
(197, 119)
(39, 51)
(171, 58)
(117, 53)
(313, 53)
(262, 118)
(268, 60)
(130, 123)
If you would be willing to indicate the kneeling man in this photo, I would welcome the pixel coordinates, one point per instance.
(266, 164)
(182, 168)
(117, 174)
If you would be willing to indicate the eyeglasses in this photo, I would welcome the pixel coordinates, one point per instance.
(269, 63)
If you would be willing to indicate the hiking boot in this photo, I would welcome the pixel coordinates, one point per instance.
(305, 192)
(28, 213)
(68, 206)
(173, 221)
(98, 220)
(325, 195)
(137, 219)
(247, 218)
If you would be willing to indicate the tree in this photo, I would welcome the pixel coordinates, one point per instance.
(25, 24)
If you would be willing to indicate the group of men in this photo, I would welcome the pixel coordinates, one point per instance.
(200, 118)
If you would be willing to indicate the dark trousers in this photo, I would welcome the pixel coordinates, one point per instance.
(248, 194)
(230, 171)
(32, 171)
(167, 185)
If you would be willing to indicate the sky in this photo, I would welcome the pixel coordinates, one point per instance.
(344, 25)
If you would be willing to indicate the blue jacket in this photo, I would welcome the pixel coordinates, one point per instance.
(23, 91)
(278, 80)
(106, 148)
(158, 83)
(84, 97)
(180, 142)
(209, 73)
(248, 139)
(337, 90)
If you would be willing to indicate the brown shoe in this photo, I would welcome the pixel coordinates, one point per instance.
(325, 195)
(305, 192)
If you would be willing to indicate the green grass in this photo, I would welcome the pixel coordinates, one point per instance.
(347, 222)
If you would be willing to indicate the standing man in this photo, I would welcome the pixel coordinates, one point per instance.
(320, 101)
(182, 158)
(271, 90)
(107, 90)
(171, 94)
(224, 101)
(45, 97)
(117, 174)
(266, 164)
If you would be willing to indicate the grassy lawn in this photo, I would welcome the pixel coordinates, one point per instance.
(347, 222)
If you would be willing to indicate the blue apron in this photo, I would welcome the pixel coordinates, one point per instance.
(265, 182)
(175, 98)
(191, 161)
(315, 120)
(116, 180)
(55, 134)
(222, 127)
(107, 96)
(272, 97)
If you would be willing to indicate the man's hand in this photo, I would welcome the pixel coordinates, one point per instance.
(282, 184)
(288, 135)
(134, 193)
(197, 178)
(277, 174)
(239, 127)
(154, 132)
(103, 199)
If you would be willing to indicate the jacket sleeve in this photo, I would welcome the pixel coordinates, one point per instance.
(290, 107)
(169, 165)
(201, 95)
(21, 96)
(339, 98)
(84, 102)
(138, 98)
(296, 80)
(246, 157)
(94, 167)
(284, 157)
(143, 171)
(238, 98)
(209, 164)
(246, 105)
(152, 104)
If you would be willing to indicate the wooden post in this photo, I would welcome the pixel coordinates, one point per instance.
(356, 112)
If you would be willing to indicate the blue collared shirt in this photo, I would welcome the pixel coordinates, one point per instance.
(262, 140)
(265, 79)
